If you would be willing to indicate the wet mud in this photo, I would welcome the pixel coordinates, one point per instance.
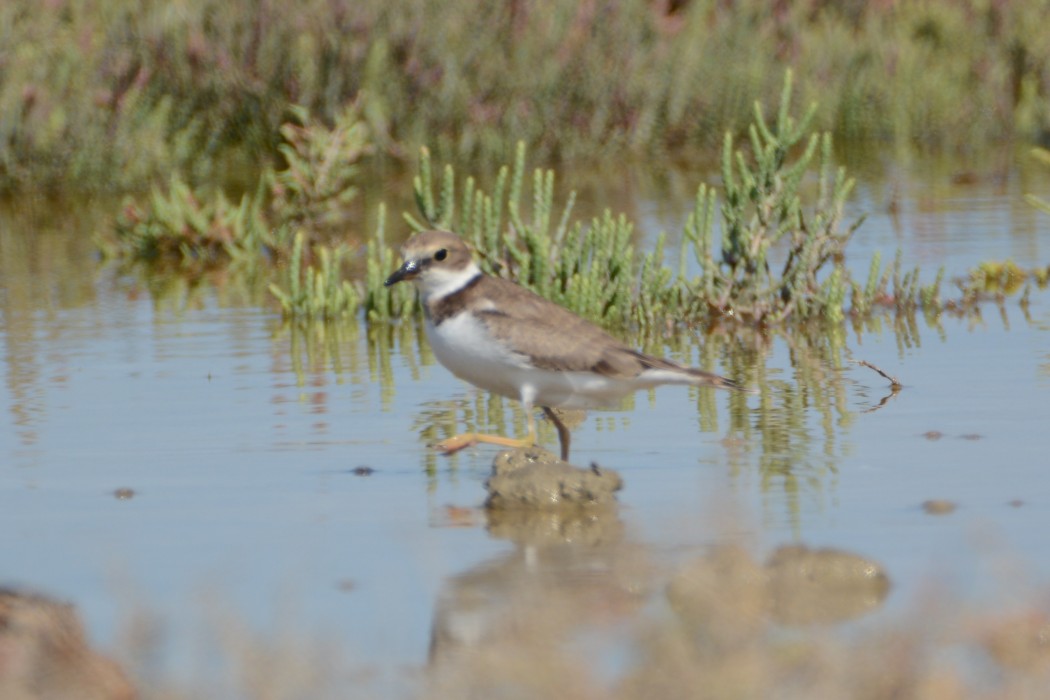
(535, 478)
(44, 654)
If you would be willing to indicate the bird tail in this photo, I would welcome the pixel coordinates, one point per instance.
(703, 378)
(690, 375)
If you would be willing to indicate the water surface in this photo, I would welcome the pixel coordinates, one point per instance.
(239, 437)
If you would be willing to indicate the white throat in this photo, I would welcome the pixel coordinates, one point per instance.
(436, 283)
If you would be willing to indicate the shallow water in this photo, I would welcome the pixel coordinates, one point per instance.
(239, 438)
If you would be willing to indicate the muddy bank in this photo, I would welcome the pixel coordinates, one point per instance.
(44, 654)
(797, 585)
(535, 478)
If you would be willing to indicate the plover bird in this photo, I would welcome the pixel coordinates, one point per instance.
(503, 338)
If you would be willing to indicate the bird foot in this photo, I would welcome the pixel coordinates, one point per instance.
(463, 440)
(455, 443)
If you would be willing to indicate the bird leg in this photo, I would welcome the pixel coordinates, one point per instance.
(463, 440)
(563, 433)
(458, 442)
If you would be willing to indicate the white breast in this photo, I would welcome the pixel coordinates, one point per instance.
(463, 345)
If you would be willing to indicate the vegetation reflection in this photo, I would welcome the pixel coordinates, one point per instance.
(793, 434)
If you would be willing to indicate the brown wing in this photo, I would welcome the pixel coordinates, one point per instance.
(553, 336)
(558, 339)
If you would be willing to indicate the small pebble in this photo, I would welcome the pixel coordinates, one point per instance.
(938, 506)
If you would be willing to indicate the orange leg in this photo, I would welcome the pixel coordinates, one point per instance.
(458, 442)
(463, 440)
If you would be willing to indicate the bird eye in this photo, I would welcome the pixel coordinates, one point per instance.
(441, 255)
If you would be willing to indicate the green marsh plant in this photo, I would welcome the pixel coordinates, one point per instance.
(317, 291)
(313, 192)
(588, 268)
(318, 183)
(770, 248)
(117, 94)
(778, 257)
(281, 223)
(764, 210)
(1043, 205)
(178, 224)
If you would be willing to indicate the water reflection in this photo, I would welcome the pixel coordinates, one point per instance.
(795, 431)
(576, 587)
(42, 255)
(793, 434)
(192, 395)
(569, 567)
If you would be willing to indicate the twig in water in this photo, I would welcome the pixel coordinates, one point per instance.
(895, 383)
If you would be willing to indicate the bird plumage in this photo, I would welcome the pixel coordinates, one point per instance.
(504, 338)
